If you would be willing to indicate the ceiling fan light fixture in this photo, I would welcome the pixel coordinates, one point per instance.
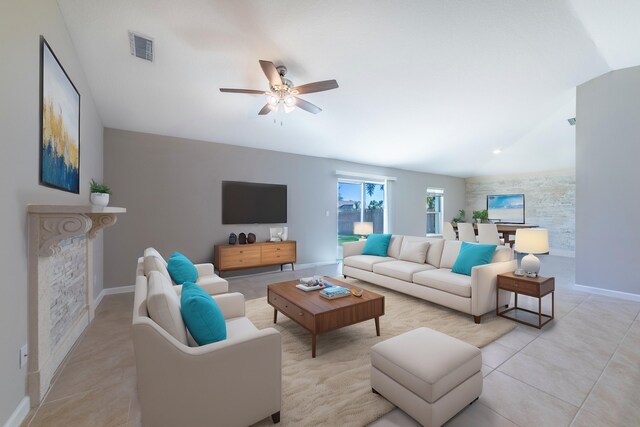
(289, 100)
(272, 99)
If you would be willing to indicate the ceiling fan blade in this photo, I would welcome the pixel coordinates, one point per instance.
(265, 110)
(249, 91)
(307, 106)
(272, 74)
(317, 86)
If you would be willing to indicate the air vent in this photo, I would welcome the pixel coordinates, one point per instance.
(572, 121)
(141, 46)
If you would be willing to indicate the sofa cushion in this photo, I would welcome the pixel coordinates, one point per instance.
(182, 269)
(434, 254)
(153, 252)
(450, 253)
(239, 327)
(414, 251)
(202, 315)
(365, 262)
(152, 263)
(445, 280)
(402, 270)
(427, 362)
(395, 244)
(163, 306)
(212, 285)
(376, 244)
(471, 255)
(503, 253)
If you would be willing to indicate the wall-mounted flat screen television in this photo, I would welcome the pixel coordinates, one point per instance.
(253, 203)
(506, 208)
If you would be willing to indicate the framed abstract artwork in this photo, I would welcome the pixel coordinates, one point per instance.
(59, 125)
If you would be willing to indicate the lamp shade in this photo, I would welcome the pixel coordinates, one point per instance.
(363, 228)
(532, 241)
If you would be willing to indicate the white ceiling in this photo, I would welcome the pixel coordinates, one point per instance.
(432, 86)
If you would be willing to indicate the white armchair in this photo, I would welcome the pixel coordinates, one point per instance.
(207, 279)
(235, 382)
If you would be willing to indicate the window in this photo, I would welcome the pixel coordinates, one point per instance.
(359, 201)
(435, 210)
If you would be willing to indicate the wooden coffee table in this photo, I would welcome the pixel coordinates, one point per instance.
(317, 314)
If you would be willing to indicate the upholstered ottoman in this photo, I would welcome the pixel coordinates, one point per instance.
(429, 375)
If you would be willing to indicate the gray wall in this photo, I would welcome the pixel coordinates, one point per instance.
(21, 24)
(608, 180)
(550, 202)
(171, 188)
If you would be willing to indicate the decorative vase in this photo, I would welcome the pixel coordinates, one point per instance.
(99, 199)
(478, 220)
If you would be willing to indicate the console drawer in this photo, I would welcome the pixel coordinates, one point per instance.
(516, 285)
(281, 253)
(239, 257)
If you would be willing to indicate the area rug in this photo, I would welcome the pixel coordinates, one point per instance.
(334, 388)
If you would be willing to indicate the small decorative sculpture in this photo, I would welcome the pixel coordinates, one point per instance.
(242, 239)
(251, 238)
(233, 239)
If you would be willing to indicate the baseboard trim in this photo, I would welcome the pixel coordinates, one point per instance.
(112, 291)
(20, 413)
(608, 292)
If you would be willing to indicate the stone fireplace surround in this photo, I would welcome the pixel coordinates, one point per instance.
(60, 297)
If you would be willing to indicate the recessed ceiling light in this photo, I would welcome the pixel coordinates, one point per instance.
(497, 151)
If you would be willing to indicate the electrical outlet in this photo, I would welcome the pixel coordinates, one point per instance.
(24, 356)
(326, 213)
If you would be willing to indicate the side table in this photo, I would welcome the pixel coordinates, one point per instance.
(536, 287)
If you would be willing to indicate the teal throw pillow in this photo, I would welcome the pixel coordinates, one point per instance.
(377, 244)
(202, 315)
(181, 269)
(471, 255)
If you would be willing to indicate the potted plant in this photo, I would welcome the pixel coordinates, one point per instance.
(461, 216)
(99, 193)
(480, 216)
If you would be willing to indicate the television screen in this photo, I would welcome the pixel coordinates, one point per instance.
(252, 203)
(506, 208)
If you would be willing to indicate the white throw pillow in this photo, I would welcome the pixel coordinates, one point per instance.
(414, 251)
(163, 306)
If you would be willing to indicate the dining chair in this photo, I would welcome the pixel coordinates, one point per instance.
(466, 233)
(448, 233)
(488, 234)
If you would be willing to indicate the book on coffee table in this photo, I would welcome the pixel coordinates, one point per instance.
(335, 292)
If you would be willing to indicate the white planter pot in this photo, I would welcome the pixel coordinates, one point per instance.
(99, 199)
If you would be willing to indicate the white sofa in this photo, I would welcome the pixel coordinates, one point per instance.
(234, 382)
(433, 280)
(207, 279)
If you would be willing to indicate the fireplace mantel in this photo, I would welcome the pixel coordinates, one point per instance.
(60, 283)
(59, 222)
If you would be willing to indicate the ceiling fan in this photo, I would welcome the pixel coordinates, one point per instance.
(283, 92)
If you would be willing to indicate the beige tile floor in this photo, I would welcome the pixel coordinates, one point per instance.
(583, 369)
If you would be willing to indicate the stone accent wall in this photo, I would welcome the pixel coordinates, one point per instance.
(66, 273)
(550, 202)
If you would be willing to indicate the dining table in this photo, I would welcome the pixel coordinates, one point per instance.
(508, 231)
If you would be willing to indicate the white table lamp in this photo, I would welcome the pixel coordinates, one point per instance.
(531, 241)
(363, 228)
